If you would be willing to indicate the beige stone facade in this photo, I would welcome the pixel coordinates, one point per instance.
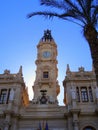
(80, 111)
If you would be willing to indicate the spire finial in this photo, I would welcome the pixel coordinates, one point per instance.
(20, 70)
(93, 68)
(68, 68)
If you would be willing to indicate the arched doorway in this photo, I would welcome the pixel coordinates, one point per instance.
(89, 128)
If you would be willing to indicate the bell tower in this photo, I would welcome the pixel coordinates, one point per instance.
(46, 87)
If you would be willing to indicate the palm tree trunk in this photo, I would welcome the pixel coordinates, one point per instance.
(91, 36)
(94, 54)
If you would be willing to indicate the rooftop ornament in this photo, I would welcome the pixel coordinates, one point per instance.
(47, 36)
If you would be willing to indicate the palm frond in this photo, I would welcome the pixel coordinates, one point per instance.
(83, 11)
(73, 6)
(81, 5)
(94, 18)
(46, 14)
(64, 16)
(72, 13)
(88, 4)
(54, 3)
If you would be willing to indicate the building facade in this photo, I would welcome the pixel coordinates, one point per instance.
(80, 111)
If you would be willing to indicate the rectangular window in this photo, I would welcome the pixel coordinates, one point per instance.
(45, 75)
(84, 94)
(4, 96)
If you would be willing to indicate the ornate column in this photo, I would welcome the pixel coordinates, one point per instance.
(73, 95)
(75, 124)
(96, 91)
(14, 127)
(7, 123)
(74, 110)
(8, 112)
(75, 120)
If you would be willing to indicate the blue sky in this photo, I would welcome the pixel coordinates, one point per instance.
(19, 37)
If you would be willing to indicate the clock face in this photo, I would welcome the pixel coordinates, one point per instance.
(46, 54)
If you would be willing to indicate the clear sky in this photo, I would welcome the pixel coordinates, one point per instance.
(19, 37)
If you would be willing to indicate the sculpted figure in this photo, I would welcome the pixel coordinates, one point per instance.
(52, 99)
(11, 95)
(96, 93)
(73, 93)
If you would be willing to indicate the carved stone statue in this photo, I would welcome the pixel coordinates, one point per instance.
(5, 128)
(96, 91)
(51, 100)
(11, 95)
(73, 93)
(47, 35)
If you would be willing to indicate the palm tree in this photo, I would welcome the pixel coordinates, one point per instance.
(82, 12)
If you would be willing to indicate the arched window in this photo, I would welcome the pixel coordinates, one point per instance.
(89, 128)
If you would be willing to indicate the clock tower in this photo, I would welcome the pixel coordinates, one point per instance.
(46, 88)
